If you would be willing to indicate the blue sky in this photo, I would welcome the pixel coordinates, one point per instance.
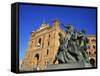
(31, 17)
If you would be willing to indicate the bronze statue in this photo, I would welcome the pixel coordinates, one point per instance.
(73, 46)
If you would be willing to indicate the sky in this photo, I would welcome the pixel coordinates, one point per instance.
(32, 16)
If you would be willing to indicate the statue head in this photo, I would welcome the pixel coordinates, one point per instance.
(79, 33)
(83, 31)
(69, 28)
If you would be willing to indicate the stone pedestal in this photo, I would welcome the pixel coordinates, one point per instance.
(67, 66)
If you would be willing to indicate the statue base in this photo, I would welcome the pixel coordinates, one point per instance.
(68, 66)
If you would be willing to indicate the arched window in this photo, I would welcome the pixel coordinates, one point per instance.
(93, 46)
(95, 52)
(49, 35)
(89, 52)
(39, 42)
(47, 51)
(49, 40)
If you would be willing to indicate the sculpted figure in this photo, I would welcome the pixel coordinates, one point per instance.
(73, 46)
(83, 40)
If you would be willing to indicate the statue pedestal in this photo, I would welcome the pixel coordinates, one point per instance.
(67, 66)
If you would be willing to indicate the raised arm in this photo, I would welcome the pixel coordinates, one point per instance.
(63, 25)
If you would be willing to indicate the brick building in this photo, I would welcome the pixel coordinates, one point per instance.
(92, 49)
(42, 47)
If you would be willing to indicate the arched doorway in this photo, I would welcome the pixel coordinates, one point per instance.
(92, 62)
(37, 60)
